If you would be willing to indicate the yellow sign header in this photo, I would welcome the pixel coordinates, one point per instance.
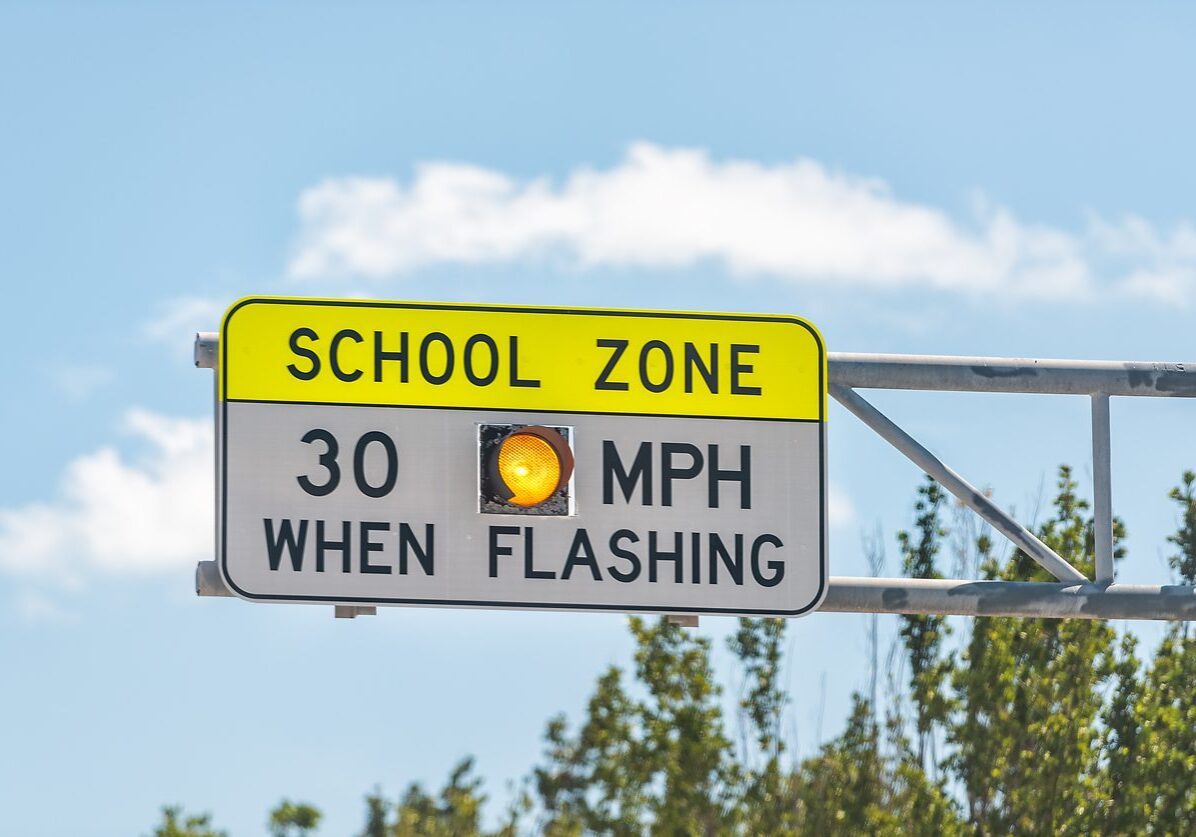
(496, 357)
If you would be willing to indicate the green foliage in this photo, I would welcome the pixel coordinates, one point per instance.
(1150, 739)
(660, 763)
(455, 812)
(1046, 727)
(1122, 806)
(758, 646)
(841, 790)
(175, 823)
(377, 811)
(458, 810)
(858, 786)
(1162, 781)
(294, 818)
(768, 793)
(1029, 697)
(1184, 562)
(598, 779)
(924, 634)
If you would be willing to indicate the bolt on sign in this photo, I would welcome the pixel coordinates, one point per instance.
(400, 453)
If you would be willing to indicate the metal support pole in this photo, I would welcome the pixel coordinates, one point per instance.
(1011, 374)
(963, 374)
(957, 485)
(1102, 489)
(1035, 599)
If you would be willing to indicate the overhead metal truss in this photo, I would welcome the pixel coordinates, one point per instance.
(1073, 595)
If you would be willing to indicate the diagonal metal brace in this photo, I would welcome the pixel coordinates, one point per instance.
(957, 485)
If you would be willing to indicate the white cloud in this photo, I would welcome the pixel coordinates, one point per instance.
(79, 382)
(1155, 264)
(670, 208)
(177, 320)
(114, 513)
(32, 606)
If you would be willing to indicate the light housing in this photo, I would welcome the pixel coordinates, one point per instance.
(523, 468)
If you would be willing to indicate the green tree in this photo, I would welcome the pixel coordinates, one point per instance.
(294, 818)
(768, 797)
(1123, 801)
(918, 803)
(924, 634)
(1164, 777)
(983, 700)
(857, 785)
(457, 812)
(1051, 727)
(1026, 734)
(1150, 755)
(377, 812)
(841, 789)
(597, 780)
(1184, 561)
(661, 763)
(176, 823)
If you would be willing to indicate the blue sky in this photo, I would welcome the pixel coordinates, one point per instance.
(951, 179)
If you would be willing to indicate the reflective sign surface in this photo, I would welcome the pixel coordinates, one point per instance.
(351, 468)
